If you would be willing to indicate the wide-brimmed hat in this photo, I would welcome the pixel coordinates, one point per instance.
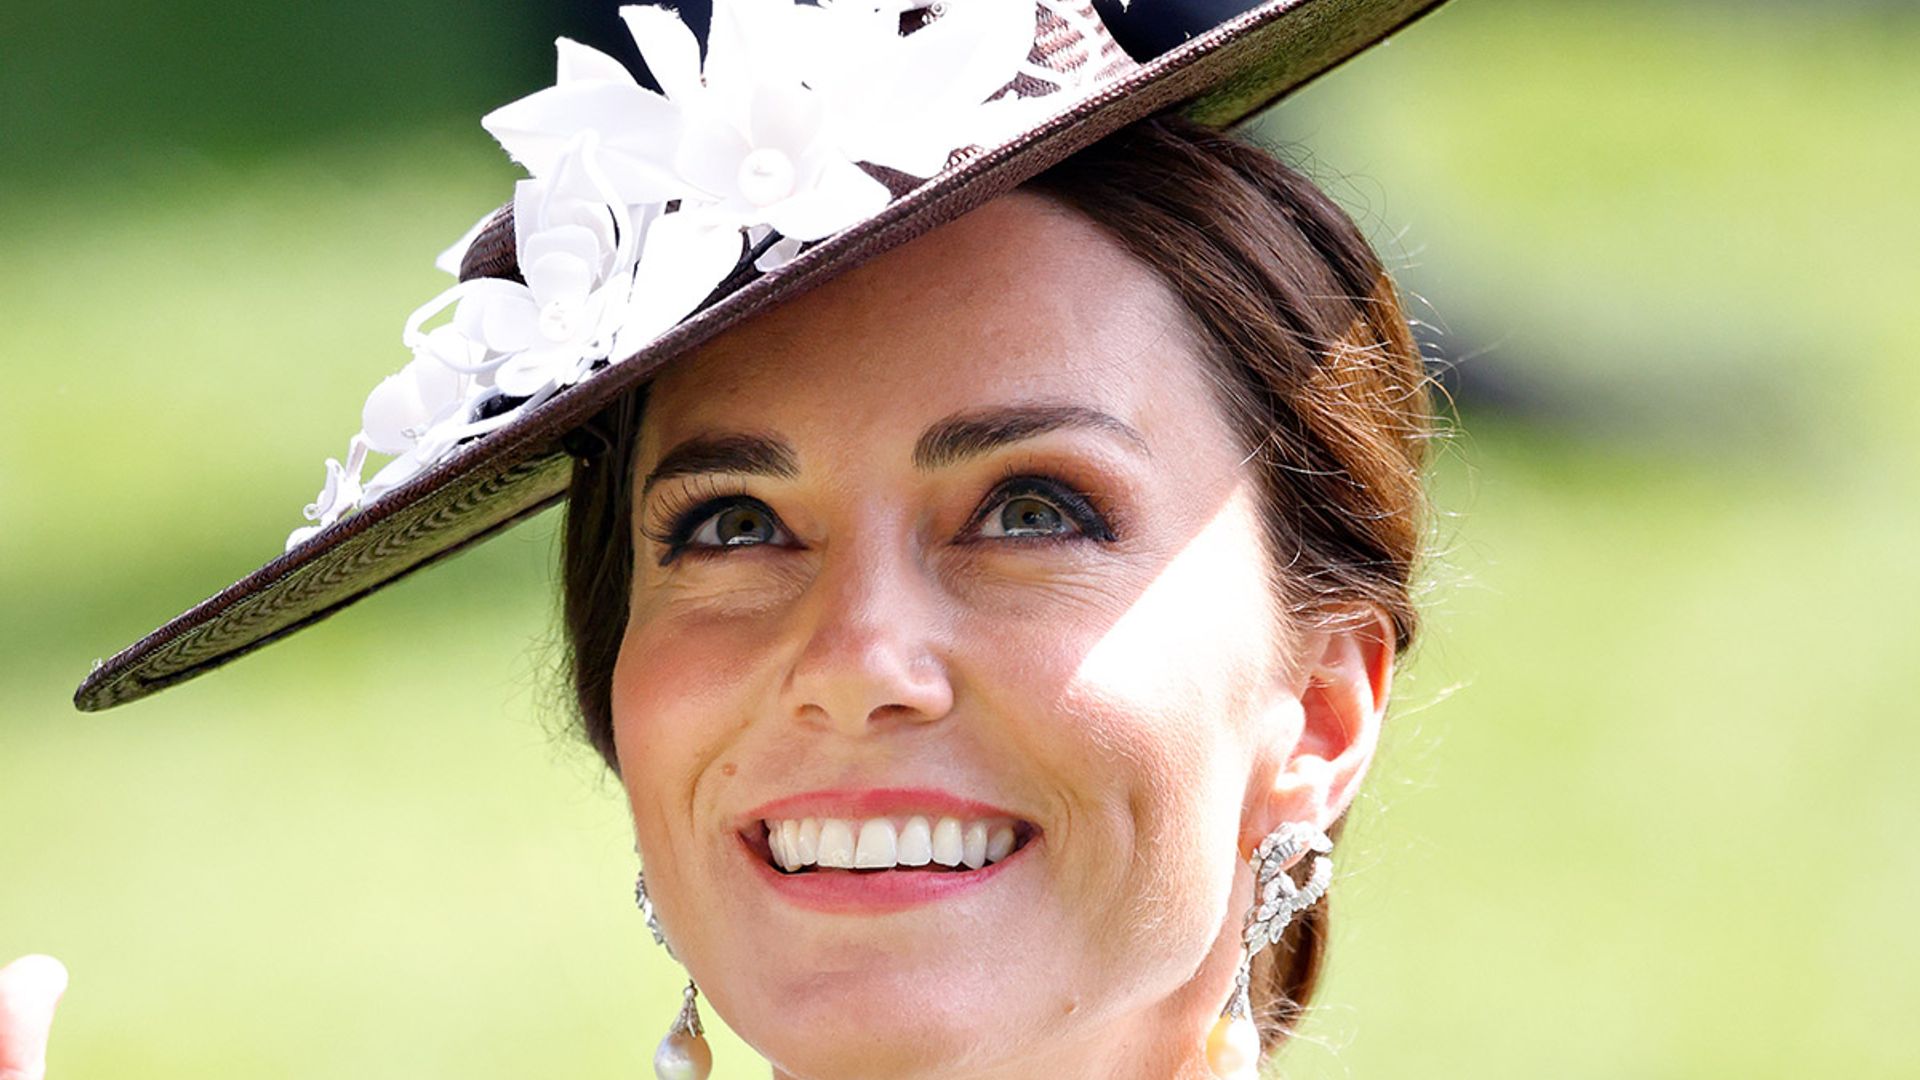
(799, 142)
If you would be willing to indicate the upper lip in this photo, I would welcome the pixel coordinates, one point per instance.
(871, 803)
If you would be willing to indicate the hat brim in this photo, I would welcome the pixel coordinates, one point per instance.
(487, 485)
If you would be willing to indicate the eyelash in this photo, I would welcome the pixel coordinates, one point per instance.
(683, 512)
(1077, 506)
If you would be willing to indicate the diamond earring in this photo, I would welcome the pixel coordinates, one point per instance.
(1233, 1046)
(684, 1053)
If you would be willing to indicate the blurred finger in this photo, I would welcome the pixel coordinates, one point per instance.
(29, 989)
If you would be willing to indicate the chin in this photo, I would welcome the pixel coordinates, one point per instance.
(859, 1052)
(874, 1024)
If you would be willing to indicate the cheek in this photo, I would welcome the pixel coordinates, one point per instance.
(675, 697)
(1145, 733)
(1204, 630)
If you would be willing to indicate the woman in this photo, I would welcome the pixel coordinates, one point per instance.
(960, 626)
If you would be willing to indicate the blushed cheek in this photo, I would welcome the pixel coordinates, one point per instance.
(673, 693)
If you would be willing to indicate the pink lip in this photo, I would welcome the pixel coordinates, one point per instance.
(877, 892)
(871, 802)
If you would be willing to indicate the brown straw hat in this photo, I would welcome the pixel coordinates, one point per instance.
(504, 442)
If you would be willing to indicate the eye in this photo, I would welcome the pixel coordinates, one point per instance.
(716, 525)
(1025, 515)
(738, 524)
(1034, 507)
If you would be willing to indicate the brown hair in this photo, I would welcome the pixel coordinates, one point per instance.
(1317, 371)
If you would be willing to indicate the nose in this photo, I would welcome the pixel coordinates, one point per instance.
(870, 653)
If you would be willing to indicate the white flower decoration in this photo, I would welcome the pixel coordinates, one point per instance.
(640, 204)
(418, 413)
(908, 101)
(577, 253)
(637, 129)
(340, 493)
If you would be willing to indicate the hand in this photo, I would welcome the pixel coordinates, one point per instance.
(29, 989)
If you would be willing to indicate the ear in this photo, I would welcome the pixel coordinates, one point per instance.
(1339, 699)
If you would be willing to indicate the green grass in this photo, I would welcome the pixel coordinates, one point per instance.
(1643, 808)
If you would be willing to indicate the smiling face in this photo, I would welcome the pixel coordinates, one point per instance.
(961, 536)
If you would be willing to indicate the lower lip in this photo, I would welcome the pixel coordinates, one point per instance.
(888, 890)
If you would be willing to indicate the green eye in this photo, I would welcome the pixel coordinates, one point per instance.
(736, 526)
(1039, 508)
(1026, 515)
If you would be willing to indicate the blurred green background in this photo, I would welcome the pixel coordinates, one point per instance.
(1646, 804)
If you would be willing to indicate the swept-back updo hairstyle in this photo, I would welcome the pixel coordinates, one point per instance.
(1316, 370)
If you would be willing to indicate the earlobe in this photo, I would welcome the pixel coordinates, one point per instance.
(1347, 672)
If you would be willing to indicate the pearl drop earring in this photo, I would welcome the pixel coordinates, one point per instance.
(684, 1053)
(1233, 1046)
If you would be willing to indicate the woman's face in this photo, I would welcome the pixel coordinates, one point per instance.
(957, 543)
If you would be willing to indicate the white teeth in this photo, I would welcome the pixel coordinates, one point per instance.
(807, 851)
(836, 844)
(916, 843)
(790, 844)
(947, 846)
(976, 845)
(878, 845)
(884, 842)
(999, 843)
(775, 845)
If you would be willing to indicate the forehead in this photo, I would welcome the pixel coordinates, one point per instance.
(1020, 301)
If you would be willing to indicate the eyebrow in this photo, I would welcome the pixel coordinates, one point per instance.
(748, 455)
(958, 438)
(946, 443)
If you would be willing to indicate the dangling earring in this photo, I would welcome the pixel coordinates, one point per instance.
(684, 1053)
(1233, 1046)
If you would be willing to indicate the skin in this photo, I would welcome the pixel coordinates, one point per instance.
(1137, 696)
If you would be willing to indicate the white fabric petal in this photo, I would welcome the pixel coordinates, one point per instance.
(842, 195)
(908, 103)
(529, 372)
(469, 314)
(1000, 120)
(559, 278)
(509, 322)
(341, 492)
(668, 47)
(686, 256)
(391, 413)
(572, 241)
(407, 403)
(450, 259)
(400, 470)
(584, 63)
(751, 42)
(969, 53)
(785, 117)
(710, 152)
(638, 131)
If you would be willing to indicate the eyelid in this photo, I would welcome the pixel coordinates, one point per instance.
(685, 514)
(1075, 505)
